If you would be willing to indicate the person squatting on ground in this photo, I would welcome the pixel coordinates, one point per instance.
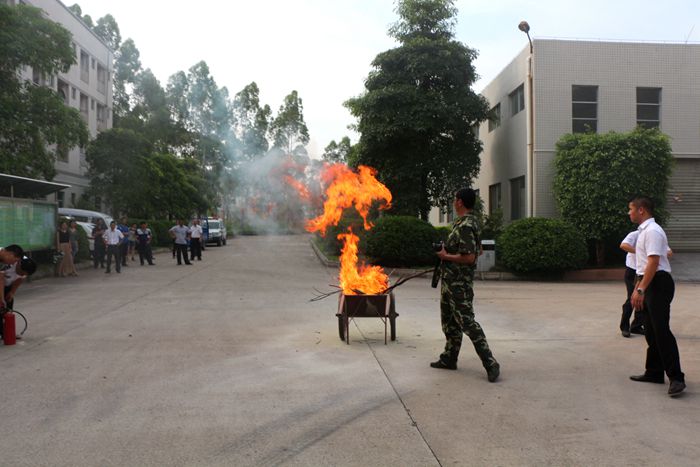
(654, 292)
(196, 240)
(459, 255)
(63, 245)
(113, 239)
(143, 243)
(15, 267)
(637, 326)
(180, 233)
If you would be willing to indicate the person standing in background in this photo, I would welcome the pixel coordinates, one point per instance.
(73, 229)
(98, 252)
(196, 240)
(123, 227)
(66, 268)
(637, 327)
(143, 239)
(113, 239)
(179, 233)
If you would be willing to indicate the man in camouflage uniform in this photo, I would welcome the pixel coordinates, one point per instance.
(458, 257)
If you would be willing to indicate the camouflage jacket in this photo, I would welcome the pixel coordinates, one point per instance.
(464, 239)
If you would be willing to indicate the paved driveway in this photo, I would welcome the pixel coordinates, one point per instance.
(227, 363)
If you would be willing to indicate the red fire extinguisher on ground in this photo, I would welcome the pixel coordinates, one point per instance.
(8, 328)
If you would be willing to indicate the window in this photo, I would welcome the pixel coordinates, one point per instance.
(517, 100)
(101, 79)
(36, 77)
(584, 109)
(84, 67)
(60, 197)
(649, 107)
(93, 63)
(92, 104)
(450, 214)
(72, 93)
(517, 198)
(441, 216)
(84, 106)
(72, 199)
(495, 118)
(494, 198)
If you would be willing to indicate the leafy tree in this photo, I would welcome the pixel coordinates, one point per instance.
(127, 67)
(288, 129)
(338, 152)
(75, 8)
(108, 30)
(416, 114)
(596, 175)
(33, 117)
(252, 122)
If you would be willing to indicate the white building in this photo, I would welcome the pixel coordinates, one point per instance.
(87, 86)
(607, 86)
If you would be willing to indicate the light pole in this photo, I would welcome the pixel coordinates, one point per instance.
(525, 27)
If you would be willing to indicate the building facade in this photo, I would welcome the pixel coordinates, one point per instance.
(87, 86)
(570, 86)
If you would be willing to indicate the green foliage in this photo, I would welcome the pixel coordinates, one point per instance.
(401, 241)
(596, 175)
(34, 117)
(539, 245)
(83, 246)
(338, 152)
(289, 129)
(350, 220)
(443, 232)
(418, 108)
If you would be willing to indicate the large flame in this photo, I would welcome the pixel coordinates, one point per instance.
(348, 189)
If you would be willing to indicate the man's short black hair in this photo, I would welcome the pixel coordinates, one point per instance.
(16, 250)
(468, 197)
(27, 265)
(643, 202)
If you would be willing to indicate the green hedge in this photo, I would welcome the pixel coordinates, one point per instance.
(350, 219)
(401, 241)
(544, 246)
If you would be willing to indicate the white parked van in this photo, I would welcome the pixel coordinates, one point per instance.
(83, 215)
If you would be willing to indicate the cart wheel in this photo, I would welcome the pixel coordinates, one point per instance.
(341, 327)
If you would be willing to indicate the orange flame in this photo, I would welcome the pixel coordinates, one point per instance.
(359, 190)
(301, 190)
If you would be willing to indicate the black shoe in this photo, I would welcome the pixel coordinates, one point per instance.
(189, 264)
(637, 331)
(625, 333)
(676, 388)
(647, 379)
(443, 365)
(493, 372)
(107, 271)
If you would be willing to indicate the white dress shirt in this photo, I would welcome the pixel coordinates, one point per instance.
(652, 241)
(631, 240)
(113, 237)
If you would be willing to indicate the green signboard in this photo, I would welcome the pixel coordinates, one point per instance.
(28, 223)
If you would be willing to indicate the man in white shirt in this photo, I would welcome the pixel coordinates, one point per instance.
(196, 240)
(113, 238)
(637, 327)
(180, 234)
(654, 292)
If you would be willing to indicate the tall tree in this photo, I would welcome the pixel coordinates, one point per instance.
(417, 112)
(289, 131)
(252, 122)
(108, 30)
(127, 67)
(338, 152)
(33, 117)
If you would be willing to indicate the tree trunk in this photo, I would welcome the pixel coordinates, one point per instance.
(599, 253)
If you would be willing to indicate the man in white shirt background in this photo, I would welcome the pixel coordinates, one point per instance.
(196, 240)
(113, 239)
(654, 292)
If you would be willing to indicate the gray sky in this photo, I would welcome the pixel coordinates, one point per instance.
(323, 48)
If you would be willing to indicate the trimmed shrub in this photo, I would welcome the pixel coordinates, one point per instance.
(83, 246)
(159, 229)
(401, 241)
(443, 232)
(539, 245)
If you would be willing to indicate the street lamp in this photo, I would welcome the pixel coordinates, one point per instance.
(525, 27)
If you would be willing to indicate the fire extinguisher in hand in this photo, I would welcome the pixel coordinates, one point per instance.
(8, 327)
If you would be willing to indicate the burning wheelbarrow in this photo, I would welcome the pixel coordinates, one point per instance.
(381, 306)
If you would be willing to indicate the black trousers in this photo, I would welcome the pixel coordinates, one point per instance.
(98, 254)
(123, 251)
(195, 248)
(145, 253)
(638, 321)
(114, 250)
(181, 253)
(662, 350)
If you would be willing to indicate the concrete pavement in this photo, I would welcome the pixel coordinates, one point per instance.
(227, 363)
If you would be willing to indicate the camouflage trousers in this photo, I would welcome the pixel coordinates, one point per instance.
(457, 317)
